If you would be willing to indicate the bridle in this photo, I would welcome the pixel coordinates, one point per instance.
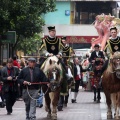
(54, 76)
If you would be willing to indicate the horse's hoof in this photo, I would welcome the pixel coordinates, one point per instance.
(54, 117)
(48, 115)
(46, 109)
(109, 116)
(116, 118)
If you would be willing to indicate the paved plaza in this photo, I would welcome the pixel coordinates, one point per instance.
(84, 109)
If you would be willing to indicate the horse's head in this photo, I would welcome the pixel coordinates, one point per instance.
(53, 71)
(53, 74)
(115, 62)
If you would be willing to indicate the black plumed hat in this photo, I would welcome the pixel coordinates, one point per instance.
(63, 38)
(96, 45)
(51, 28)
(113, 28)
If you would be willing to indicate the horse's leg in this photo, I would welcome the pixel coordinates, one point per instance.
(118, 102)
(114, 103)
(54, 96)
(108, 101)
(117, 117)
(47, 102)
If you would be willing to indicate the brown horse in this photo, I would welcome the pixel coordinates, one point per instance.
(53, 70)
(111, 85)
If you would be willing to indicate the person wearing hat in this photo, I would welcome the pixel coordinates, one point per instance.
(113, 43)
(67, 50)
(97, 60)
(96, 54)
(31, 74)
(51, 45)
(64, 94)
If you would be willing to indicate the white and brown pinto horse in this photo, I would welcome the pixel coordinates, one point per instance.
(53, 71)
(111, 86)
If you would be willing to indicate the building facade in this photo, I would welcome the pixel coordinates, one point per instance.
(75, 19)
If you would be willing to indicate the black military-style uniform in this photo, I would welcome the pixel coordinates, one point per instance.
(112, 45)
(67, 51)
(51, 45)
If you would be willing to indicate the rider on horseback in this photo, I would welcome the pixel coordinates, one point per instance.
(97, 60)
(97, 56)
(112, 45)
(64, 94)
(50, 46)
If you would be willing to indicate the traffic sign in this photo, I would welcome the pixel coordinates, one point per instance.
(9, 37)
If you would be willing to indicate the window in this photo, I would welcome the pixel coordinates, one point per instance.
(87, 11)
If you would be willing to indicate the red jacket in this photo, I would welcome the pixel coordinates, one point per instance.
(15, 63)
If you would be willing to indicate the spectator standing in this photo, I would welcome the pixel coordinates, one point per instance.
(9, 75)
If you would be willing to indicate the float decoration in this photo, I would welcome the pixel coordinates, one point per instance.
(103, 23)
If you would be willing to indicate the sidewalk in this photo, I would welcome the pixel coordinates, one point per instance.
(84, 109)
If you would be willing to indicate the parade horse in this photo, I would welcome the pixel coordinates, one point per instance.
(53, 71)
(96, 79)
(111, 86)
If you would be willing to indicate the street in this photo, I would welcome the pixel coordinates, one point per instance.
(84, 109)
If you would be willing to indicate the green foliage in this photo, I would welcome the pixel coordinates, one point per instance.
(24, 17)
(30, 45)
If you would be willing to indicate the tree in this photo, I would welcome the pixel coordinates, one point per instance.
(30, 45)
(24, 17)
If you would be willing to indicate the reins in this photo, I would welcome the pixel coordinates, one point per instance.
(39, 83)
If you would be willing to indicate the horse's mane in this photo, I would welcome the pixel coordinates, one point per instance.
(54, 64)
(109, 71)
(110, 81)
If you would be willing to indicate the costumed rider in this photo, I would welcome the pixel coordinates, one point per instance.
(50, 46)
(112, 45)
(67, 54)
(97, 60)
